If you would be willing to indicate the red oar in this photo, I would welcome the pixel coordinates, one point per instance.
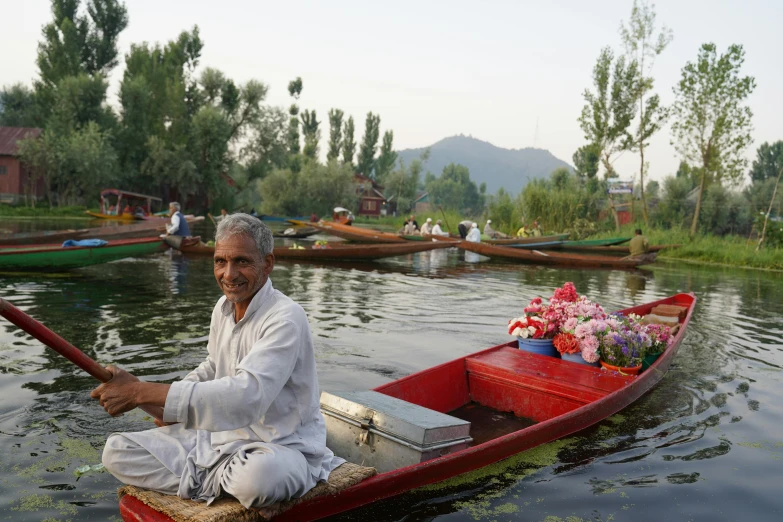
(60, 345)
(53, 341)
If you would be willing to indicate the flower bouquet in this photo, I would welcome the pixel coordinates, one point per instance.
(660, 338)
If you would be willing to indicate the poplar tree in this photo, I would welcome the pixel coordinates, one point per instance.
(365, 163)
(349, 143)
(335, 133)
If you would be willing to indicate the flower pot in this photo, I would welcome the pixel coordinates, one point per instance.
(627, 370)
(577, 358)
(649, 359)
(539, 346)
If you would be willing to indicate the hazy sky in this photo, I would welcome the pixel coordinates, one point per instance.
(432, 69)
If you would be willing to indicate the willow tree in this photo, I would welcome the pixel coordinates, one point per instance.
(712, 124)
(643, 45)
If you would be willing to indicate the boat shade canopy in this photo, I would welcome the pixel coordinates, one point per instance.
(341, 209)
(126, 194)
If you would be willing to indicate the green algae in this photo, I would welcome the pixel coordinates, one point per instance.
(37, 502)
(757, 445)
(71, 451)
(515, 467)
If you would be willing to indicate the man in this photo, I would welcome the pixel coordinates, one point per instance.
(488, 230)
(247, 421)
(179, 225)
(426, 228)
(638, 245)
(522, 232)
(464, 227)
(413, 221)
(222, 216)
(474, 235)
(536, 230)
(437, 230)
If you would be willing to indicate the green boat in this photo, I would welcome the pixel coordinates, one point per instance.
(411, 237)
(596, 242)
(42, 257)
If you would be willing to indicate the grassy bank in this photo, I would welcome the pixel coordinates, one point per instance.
(708, 249)
(395, 223)
(43, 212)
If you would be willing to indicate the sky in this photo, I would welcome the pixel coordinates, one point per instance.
(508, 72)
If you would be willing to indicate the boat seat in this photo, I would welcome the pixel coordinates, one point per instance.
(228, 509)
(536, 386)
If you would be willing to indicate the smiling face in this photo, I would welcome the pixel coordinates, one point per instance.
(240, 270)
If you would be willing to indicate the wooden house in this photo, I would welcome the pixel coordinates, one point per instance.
(372, 202)
(15, 180)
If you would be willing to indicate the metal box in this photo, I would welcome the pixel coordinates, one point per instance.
(373, 429)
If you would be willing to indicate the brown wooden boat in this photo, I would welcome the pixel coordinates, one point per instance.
(334, 251)
(525, 240)
(452, 238)
(353, 233)
(555, 258)
(297, 233)
(609, 250)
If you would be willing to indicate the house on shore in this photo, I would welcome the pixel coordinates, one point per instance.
(372, 202)
(15, 180)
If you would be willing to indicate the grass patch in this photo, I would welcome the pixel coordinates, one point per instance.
(43, 211)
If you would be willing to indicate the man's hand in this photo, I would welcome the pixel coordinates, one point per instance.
(119, 394)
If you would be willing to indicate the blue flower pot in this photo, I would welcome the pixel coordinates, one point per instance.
(577, 358)
(539, 346)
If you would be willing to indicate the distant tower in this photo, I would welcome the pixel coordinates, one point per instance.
(535, 135)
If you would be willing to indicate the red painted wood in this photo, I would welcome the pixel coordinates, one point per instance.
(532, 403)
(443, 388)
(401, 480)
(133, 509)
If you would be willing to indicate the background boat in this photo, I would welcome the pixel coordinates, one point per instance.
(555, 258)
(609, 250)
(352, 233)
(41, 257)
(525, 240)
(597, 242)
(298, 233)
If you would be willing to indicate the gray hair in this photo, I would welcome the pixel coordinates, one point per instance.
(175, 205)
(245, 224)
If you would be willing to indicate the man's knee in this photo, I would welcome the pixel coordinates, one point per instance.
(115, 452)
(263, 477)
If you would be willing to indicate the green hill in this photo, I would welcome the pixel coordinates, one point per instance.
(498, 167)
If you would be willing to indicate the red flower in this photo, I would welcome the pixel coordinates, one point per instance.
(567, 293)
(566, 343)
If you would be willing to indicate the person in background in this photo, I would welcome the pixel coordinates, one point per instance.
(523, 232)
(536, 230)
(179, 225)
(437, 231)
(474, 236)
(127, 209)
(639, 244)
(112, 210)
(314, 218)
(488, 230)
(426, 228)
(464, 227)
(222, 216)
(412, 219)
(409, 229)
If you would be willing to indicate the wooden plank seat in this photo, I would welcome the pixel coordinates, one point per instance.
(536, 386)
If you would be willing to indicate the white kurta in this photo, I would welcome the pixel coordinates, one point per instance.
(437, 231)
(474, 235)
(426, 228)
(257, 391)
(173, 228)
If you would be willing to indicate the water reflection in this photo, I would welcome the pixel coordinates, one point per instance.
(706, 435)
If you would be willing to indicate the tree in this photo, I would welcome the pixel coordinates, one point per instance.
(312, 134)
(455, 190)
(768, 162)
(387, 157)
(609, 111)
(349, 144)
(643, 46)
(18, 107)
(769, 211)
(335, 133)
(267, 148)
(365, 163)
(586, 162)
(295, 90)
(712, 125)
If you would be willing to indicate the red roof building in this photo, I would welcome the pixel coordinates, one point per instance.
(15, 181)
(372, 202)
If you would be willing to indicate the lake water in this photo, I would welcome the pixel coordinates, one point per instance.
(705, 444)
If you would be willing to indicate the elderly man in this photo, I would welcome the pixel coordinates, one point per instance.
(474, 235)
(426, 228)
(437, 230)
(179, 225)
(247, 421)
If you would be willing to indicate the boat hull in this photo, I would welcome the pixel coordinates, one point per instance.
(352, 233)
(44, 257)
(554, 258)
(446, 387)
(525, 240)
(121, 217)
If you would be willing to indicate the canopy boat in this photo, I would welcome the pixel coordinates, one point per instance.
(515, 400)
(610, 250)
(596, 242)
(329, 252)
(525, 240)
(41, 257)
(137, 206)
(352, 233)
(296, 233)
(556, 258)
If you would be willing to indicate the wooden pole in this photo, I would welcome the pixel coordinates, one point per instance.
(444, 218)
(769, 210)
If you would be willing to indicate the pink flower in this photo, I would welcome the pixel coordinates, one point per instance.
(589, 343)
(570, 324)
(583, 330)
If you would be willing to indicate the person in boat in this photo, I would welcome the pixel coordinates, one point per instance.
(638, 245)
(464, 228)
(426, 228)
(246, 422)
(127, 209)
(111, 210)
(535, 230)
(474, 235)
(222, 216)
(138, 212)
(494, 234)
(314, 218)
(523, 232)
(179, 225)
(415, 223)
(437, 230)
(409, 229)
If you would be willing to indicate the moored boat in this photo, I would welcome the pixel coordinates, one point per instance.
(597, 242)
(40, 257)
(329, 252)
(609, 250)
(352, 233)
(555, 258)
(296, 233)
(549, 398)
(525, 240)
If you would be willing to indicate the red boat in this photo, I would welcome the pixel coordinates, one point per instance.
(552, 398)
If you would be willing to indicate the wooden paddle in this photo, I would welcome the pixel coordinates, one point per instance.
(444, 218)
(213, 219)
(60, 345)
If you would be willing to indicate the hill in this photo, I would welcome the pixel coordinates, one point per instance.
(498, 167)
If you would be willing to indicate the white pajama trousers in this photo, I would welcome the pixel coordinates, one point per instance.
(257, 474)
